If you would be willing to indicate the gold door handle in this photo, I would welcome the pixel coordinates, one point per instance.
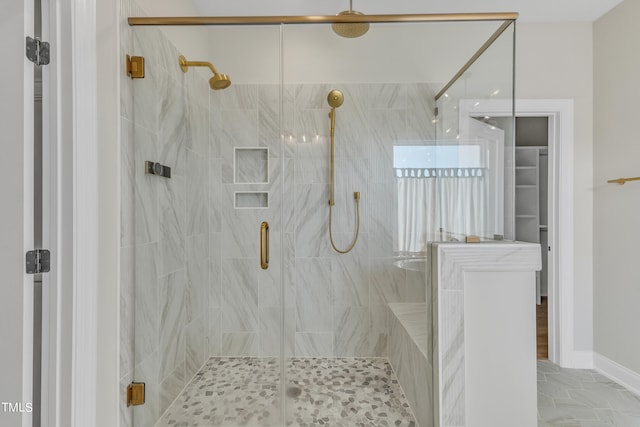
(264, 245)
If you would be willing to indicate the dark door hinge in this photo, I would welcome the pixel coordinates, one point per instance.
(37, 51)
(38, 261)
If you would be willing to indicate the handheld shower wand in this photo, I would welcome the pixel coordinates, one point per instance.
(335, 100)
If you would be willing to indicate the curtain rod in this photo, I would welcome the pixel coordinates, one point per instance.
(320, 19)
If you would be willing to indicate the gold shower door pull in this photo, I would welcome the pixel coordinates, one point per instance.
(264, 245)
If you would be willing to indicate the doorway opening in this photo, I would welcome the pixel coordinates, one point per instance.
(532, 209)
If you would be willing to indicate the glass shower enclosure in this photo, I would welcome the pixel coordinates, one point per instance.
(235, 307)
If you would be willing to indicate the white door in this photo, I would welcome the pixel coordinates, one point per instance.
(16, 214)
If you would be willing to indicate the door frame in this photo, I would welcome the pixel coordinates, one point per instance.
(561, 234)
(17, 216)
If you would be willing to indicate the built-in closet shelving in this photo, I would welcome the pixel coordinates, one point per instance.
(531, 203)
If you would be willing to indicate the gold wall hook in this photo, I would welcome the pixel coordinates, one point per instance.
(135, 67)
(622, 181)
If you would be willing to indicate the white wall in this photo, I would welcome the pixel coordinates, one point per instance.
(555, 61)
(616, 154)
(193, 42)
(403, 53)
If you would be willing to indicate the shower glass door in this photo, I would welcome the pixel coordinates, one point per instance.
(201, 275)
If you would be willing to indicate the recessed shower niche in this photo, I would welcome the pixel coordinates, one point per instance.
(251, 200)
(250, 165)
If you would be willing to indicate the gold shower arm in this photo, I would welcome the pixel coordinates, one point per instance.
(184, 65)
(621, 181)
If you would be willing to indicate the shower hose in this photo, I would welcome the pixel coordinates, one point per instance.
(356, 196)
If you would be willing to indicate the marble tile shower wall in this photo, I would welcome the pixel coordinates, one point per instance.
(166, 223)
(334, 305)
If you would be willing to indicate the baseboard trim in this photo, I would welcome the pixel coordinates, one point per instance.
(618, 373)
(574, 360)
(581, 359)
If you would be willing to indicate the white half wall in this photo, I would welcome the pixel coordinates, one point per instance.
(616, 207)
(554, 61)
(505, 373)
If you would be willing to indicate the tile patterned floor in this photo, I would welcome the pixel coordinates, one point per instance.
(583, 398)
(333, 392)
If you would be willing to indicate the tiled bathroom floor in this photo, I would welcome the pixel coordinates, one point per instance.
(583, 398)
(345, 392)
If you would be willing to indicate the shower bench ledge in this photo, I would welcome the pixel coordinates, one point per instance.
(411, 357)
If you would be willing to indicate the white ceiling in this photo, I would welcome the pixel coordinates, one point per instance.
(530, 10)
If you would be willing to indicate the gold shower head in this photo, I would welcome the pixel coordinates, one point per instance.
(350, 29)
(335, 98)
(218, 81)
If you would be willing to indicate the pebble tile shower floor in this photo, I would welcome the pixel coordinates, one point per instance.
(345, 392)
(231, 392)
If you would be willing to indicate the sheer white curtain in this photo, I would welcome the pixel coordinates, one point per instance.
(434, 203)
(417, 213)
(462, 201)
